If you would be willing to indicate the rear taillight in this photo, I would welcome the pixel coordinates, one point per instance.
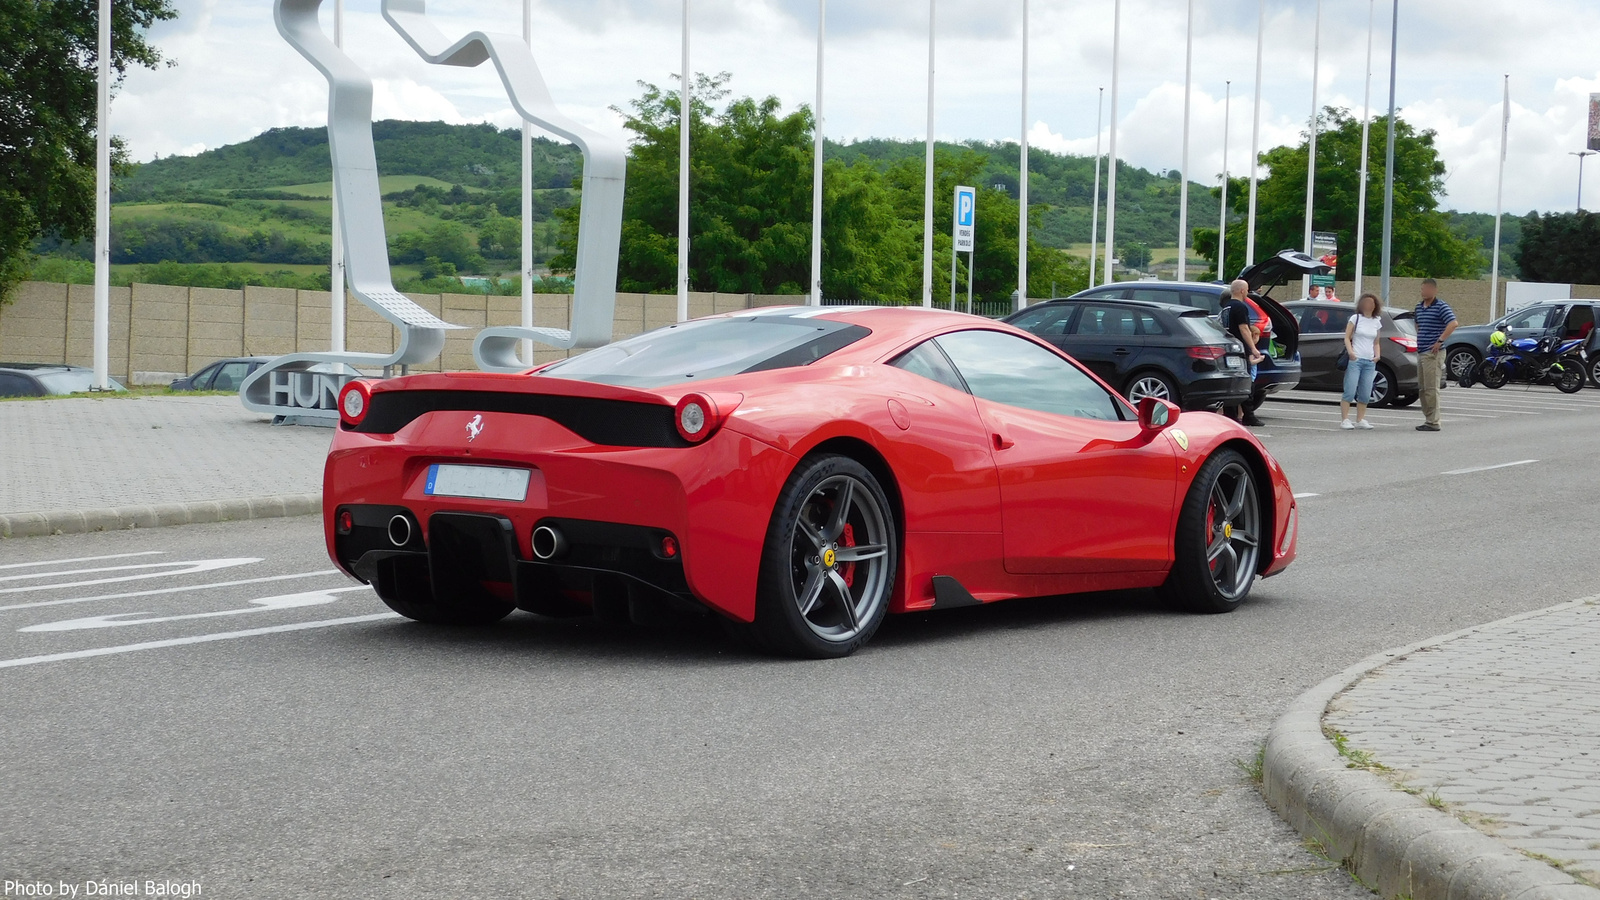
(696, 417)
(1408, 344)
(1208, 352)
(354, 401)
(346, 522)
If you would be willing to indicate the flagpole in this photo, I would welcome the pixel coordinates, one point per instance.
(527, 202)
(1111, 164)
(337, 280)
(1222, 226)
(1255, 141)
(1022, 185)
(1183, 170)
(1499, 195)
(927, 177)
(816, 165)
(1311, 157)
(102, 208)
(1388, 166)
(1366, 130)
(685, 117)
(1094, 217)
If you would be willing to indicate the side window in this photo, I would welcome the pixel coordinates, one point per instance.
(1046, 319)
(1006, 369)
(1149, 324)
(929, 361)
(14, 385)
(230, 376)
(1580, 321)
(202, 379)
(1149, 295)
(1531, 318)
(1105, 321)
(1321, 320)
(1107, 293)
(1211, 301)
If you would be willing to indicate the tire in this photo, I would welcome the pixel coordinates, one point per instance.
(1494, 377)
(1404, 400)
(828, 563)
(1219, 537)
(1383, 396)
(1458, 361)
(1570, 379)
(1594, 370)
(1151, 383)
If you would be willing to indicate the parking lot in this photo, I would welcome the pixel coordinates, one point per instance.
(215, 704)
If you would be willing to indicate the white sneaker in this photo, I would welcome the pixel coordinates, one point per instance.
(1364, 424)
(1345, 424)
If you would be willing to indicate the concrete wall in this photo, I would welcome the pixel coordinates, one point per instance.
(1470, 299)
(163, 330)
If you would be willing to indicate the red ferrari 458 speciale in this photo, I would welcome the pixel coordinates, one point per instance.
(799, 472)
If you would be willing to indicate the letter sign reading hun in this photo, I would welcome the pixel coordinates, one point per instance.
(965, 219)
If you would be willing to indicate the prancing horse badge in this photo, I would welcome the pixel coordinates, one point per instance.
(1180, 437)
(474, 428)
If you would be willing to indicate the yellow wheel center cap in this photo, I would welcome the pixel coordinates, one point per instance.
(1227, 531)
(829, 557)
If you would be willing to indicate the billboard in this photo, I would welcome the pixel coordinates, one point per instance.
(966, 225)
(1325, 249)
(1594, 121)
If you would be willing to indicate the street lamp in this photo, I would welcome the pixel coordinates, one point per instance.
(1581, 155)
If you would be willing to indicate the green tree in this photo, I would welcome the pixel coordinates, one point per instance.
(1560, 247)
(1135, 254)
(1423, 243)
(48, 63)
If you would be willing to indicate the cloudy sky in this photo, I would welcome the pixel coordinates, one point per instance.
(235, 76)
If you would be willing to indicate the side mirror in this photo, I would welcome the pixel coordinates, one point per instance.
(1155, 414)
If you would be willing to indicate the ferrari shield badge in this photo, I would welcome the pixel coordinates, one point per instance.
(1181, 438)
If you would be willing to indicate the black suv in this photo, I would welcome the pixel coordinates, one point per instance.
(1280, 371)
(1146, 349)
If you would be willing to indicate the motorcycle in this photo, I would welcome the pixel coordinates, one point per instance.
(1530, 361)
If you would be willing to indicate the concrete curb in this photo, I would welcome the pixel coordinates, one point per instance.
(1394, 842)
(82, 521)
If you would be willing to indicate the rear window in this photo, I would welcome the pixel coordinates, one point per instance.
(709, 348)
(1205, 327)
(1407, 324)
(65, 382)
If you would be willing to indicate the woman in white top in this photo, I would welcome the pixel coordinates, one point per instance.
(1363, 347)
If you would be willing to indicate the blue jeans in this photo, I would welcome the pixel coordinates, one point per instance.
(1358, 380)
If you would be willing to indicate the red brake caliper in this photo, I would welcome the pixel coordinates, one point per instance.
(848, 570)
(1211, 533)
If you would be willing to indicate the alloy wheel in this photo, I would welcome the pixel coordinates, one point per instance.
(1460, 363)
(1380, 389)
(839, 558)
(1233, 530)
(1149, 386)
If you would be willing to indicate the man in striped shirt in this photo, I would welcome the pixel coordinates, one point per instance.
(1435, 322)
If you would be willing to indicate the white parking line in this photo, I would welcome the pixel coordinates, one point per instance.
(1520, 462)
(196, 639)
(81, 559)
(1304, 496)
(194, 567)
(171, 590)
(264, 604)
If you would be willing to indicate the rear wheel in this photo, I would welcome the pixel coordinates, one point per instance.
(1151, 384)
(1219, 537)
(1459, 361)
(828, 565)
(1569, 379)
(1382, 387)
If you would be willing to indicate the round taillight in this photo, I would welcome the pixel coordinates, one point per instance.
(695, 417)
(354, 401)
(669, 547)
(347, 522)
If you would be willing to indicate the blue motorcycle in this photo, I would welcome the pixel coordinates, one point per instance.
(1530, 361)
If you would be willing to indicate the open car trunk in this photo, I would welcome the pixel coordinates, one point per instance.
(1274, 271)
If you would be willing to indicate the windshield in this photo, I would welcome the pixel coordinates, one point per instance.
(709, 348)
(69, 382)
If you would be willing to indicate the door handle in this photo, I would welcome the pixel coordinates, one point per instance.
(1120, 351)
(1001, 442)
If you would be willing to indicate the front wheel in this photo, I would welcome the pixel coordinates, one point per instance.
(1569, 378)
(1382, 387)
(1495, 376)
(1219, 537)
(828, 565)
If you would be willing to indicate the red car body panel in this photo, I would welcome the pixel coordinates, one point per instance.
(1008, 501)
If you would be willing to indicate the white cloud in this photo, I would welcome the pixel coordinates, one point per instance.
(235, 76)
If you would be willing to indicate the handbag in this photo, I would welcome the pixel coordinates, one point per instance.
(1342, 362)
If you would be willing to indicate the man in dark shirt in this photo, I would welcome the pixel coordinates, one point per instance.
(1435, 323)
(1235, 315)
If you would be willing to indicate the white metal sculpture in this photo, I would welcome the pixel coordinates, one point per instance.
(594, 290)
(304, 385)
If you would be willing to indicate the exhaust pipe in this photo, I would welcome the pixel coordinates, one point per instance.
(548, 543)
(400, 530)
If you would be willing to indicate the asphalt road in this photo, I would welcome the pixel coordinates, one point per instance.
(1068, 747)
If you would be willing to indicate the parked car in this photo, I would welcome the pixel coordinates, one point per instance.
(1322, 324)
(222, 375)
(1564, 319)
(1160, 350)
(1280, 371)
(45, 380)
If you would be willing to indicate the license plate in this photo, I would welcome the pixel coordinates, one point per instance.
(482, 482)
(1233, 362)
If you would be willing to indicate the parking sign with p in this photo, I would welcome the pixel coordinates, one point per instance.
(965, 219)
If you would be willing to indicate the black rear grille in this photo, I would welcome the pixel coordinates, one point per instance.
(613, 423)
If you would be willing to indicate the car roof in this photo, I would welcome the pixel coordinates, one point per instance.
(1177, 309)
(1215, 286)
(42, 367)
